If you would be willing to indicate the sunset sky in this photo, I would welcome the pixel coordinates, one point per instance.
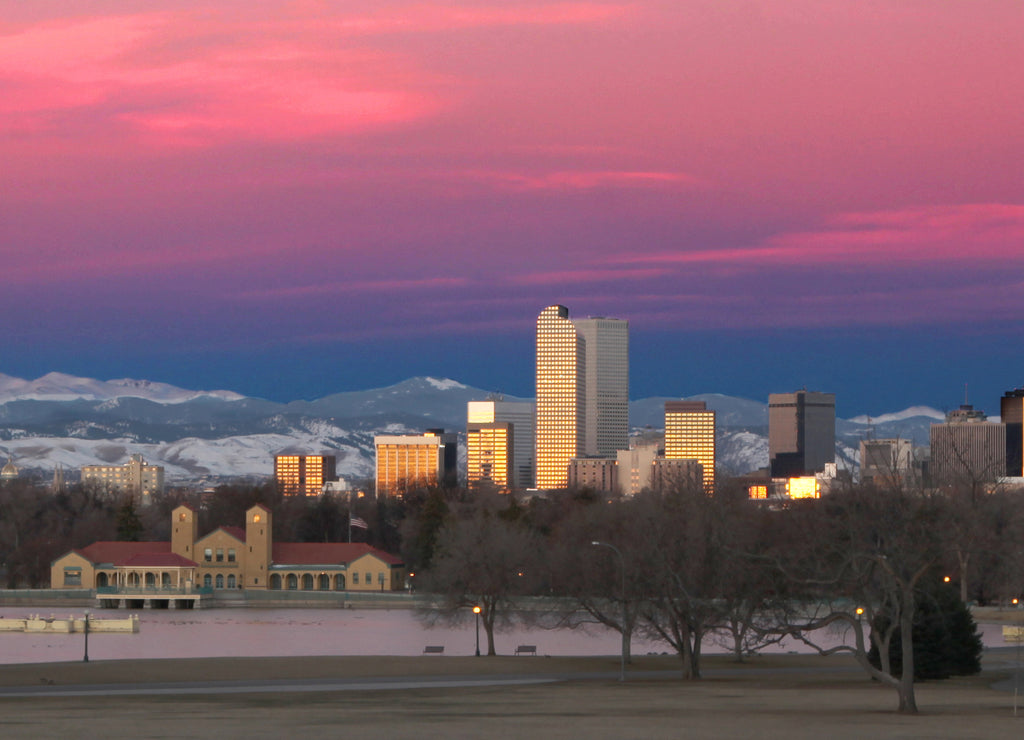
(289, 199)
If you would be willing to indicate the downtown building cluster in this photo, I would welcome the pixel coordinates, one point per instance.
(576, 434)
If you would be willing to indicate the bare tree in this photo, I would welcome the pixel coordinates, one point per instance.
(871, 553)
(485, 557)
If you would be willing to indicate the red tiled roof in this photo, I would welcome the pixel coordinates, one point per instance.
(157, 560)
(117, 552)
(326, 553)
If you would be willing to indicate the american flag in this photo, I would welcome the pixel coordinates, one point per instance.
(355, 521)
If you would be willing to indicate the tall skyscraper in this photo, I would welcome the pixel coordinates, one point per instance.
(967, 450)
(801, 433)
(561, 396)
(606, 380)
(1011, 409)
(519, 417)
(690, 435)
(582, 391)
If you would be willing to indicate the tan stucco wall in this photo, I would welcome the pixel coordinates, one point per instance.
(72, 560)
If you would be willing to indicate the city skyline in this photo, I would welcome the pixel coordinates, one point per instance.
(291, 200)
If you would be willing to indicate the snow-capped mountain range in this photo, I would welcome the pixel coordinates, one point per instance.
(69, 421)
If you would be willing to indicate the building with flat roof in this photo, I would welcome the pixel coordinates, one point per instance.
(598, 473)
(636, 465)
(886, 462)
(519, 415)
(406, 461)
(967, 450)
(606, 381)
(1011, 412)
(136, 477)
(303, 475)
(801, 433)
(690, 435)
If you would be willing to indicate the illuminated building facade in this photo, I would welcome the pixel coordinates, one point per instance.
(409, 460)
(489, 454)
(690, 435)
(136, 477)
(606, 381)
(519, 415)
(803, 487)
(303, 475)
(582, 391)
(561, 397)
(801, 433)
(1011, 412)
(967, 449)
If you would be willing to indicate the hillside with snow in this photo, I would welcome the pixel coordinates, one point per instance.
(62, 420)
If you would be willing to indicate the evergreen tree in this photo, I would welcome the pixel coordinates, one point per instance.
(946, 638)
(129, 525)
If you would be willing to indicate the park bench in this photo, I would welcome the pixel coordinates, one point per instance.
(433, 650)
(526, 649)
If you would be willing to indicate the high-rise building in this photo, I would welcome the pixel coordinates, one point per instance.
(561, 396)
(582, 391)
(606, 381)
(408, 460)
(967, 450)
(489, 454)
(801, 433)
(136, 477)
(886, 462)
(303, 475)
(519, 416)
(690, 435)
(1011, 411)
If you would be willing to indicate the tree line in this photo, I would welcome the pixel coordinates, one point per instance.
(676, 565)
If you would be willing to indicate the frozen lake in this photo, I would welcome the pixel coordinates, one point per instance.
(211, 633)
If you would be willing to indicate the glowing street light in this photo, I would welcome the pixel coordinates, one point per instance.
(622, 595)
(476, 611)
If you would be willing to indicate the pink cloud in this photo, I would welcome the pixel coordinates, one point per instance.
(576, 276)
(358, 286)
(968, 232)
(582, 179)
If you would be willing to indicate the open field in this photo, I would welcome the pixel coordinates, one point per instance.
(782, 696)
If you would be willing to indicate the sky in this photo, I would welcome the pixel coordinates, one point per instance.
(291, 199)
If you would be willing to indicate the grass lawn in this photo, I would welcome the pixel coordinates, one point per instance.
(784, 696)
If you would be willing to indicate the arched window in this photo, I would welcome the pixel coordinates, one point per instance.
(275, 582)
(339, 582)
(292, 581)
(207, 581)
(133, 579)
(102, 580)
(307, 581)
(150, 580)
(220, 580)
(165, 580)
(231, 581)
(324, 582)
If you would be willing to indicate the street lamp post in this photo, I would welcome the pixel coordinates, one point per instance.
(622, 596)
(85, 658)
(476, 611)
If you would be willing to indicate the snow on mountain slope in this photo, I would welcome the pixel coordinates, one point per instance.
(910, 413)
(61, 387)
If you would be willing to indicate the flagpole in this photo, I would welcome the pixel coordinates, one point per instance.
(350, 517)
